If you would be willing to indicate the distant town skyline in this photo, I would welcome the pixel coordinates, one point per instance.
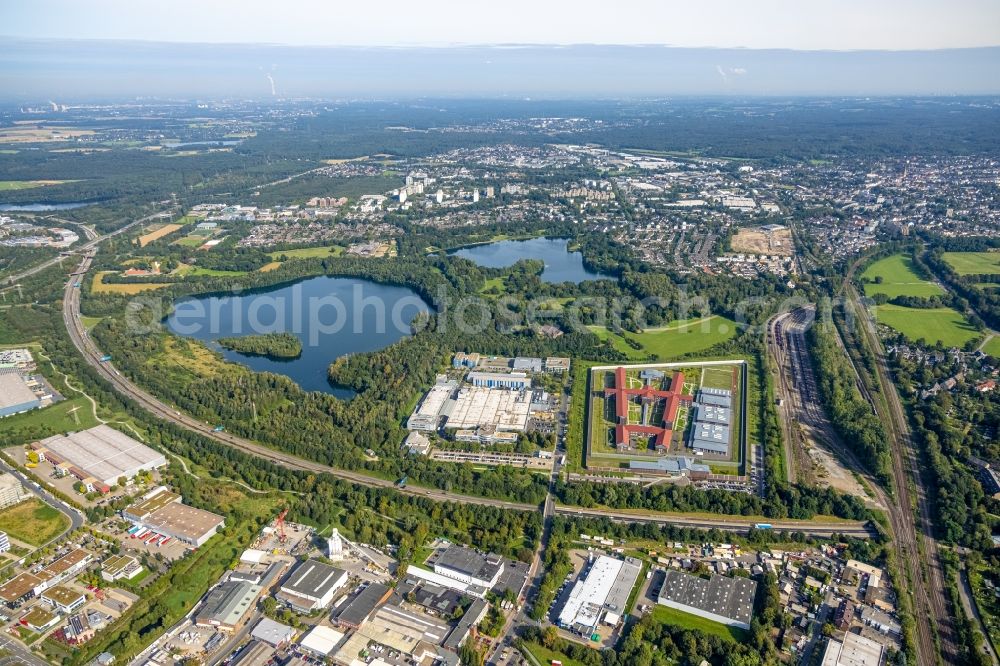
(765, 24)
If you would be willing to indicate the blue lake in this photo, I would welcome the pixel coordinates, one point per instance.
(332, 317)
(561, 265)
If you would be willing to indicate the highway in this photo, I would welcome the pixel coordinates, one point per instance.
(917, 549)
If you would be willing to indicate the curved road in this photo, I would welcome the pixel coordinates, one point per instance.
(90, 352)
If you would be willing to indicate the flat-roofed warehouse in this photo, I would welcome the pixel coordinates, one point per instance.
(604, 590)
(469, 566)
(226, 606)
(162, 511)
(854, 650)
(311, 585)
(15, 396)
(100, 452)
(720, 598)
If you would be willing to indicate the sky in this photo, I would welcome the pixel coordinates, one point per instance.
(754, 24)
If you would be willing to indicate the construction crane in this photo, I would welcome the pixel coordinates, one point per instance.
(279, 525)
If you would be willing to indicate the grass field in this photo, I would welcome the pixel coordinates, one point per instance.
(899, 278)
(32, 521)
(51, 420)
(309, 252)
(992, 347)
(689, 621)
(8, 185)
(99, 287)
(545, 656)
(199, 271)
(970, 263)
(671, 341)
(156, 234)
(946, 325)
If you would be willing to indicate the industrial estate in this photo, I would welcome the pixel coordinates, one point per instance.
(521, 382)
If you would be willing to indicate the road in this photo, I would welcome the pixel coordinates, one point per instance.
(917, 549)
(17, 653)
(92, 355)
(86, 248)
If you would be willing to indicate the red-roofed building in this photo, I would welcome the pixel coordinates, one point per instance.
(647, 395)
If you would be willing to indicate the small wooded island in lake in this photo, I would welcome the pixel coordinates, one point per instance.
(276, 345)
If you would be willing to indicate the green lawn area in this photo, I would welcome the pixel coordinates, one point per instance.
(992, 347)
(934, 324)
(32, 521)
(191, 240)
(899, 278)
(309, 252)
(689, 621)
(721, 378)
(199, 271)
(676, 339)
(9, 185)
(90, 322)
(969, 263)
(544, 656)
(51, 420)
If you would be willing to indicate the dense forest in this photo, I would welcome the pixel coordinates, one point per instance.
(275, 345)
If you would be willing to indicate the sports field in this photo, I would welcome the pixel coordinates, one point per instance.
(974, 263)
(673, 340)
(899, 278)
(946, 325)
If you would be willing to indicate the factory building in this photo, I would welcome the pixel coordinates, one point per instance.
(601, 595)
(427, 415)
(311, 585)
(517, 381)
(720, 598)
(100, 456)
(15, 396)
(227, 605)
(469, 566)
(854, 650)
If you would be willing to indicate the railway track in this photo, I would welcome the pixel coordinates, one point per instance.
(917, 549)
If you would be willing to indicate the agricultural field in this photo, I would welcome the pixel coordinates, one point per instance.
(158, 233)
(898, 278)
(100, 287)
(679, 618)
(32, 521)
(671, 341)
(946, 325)
(974, 263)
(36, 132)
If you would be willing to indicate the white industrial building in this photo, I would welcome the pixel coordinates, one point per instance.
(601, 595)
(504, 409)
(11, 490)
(100, 456)
(469, 566)
(312, 585)
(854, 650)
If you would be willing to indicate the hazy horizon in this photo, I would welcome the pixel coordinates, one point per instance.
(34, 70)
